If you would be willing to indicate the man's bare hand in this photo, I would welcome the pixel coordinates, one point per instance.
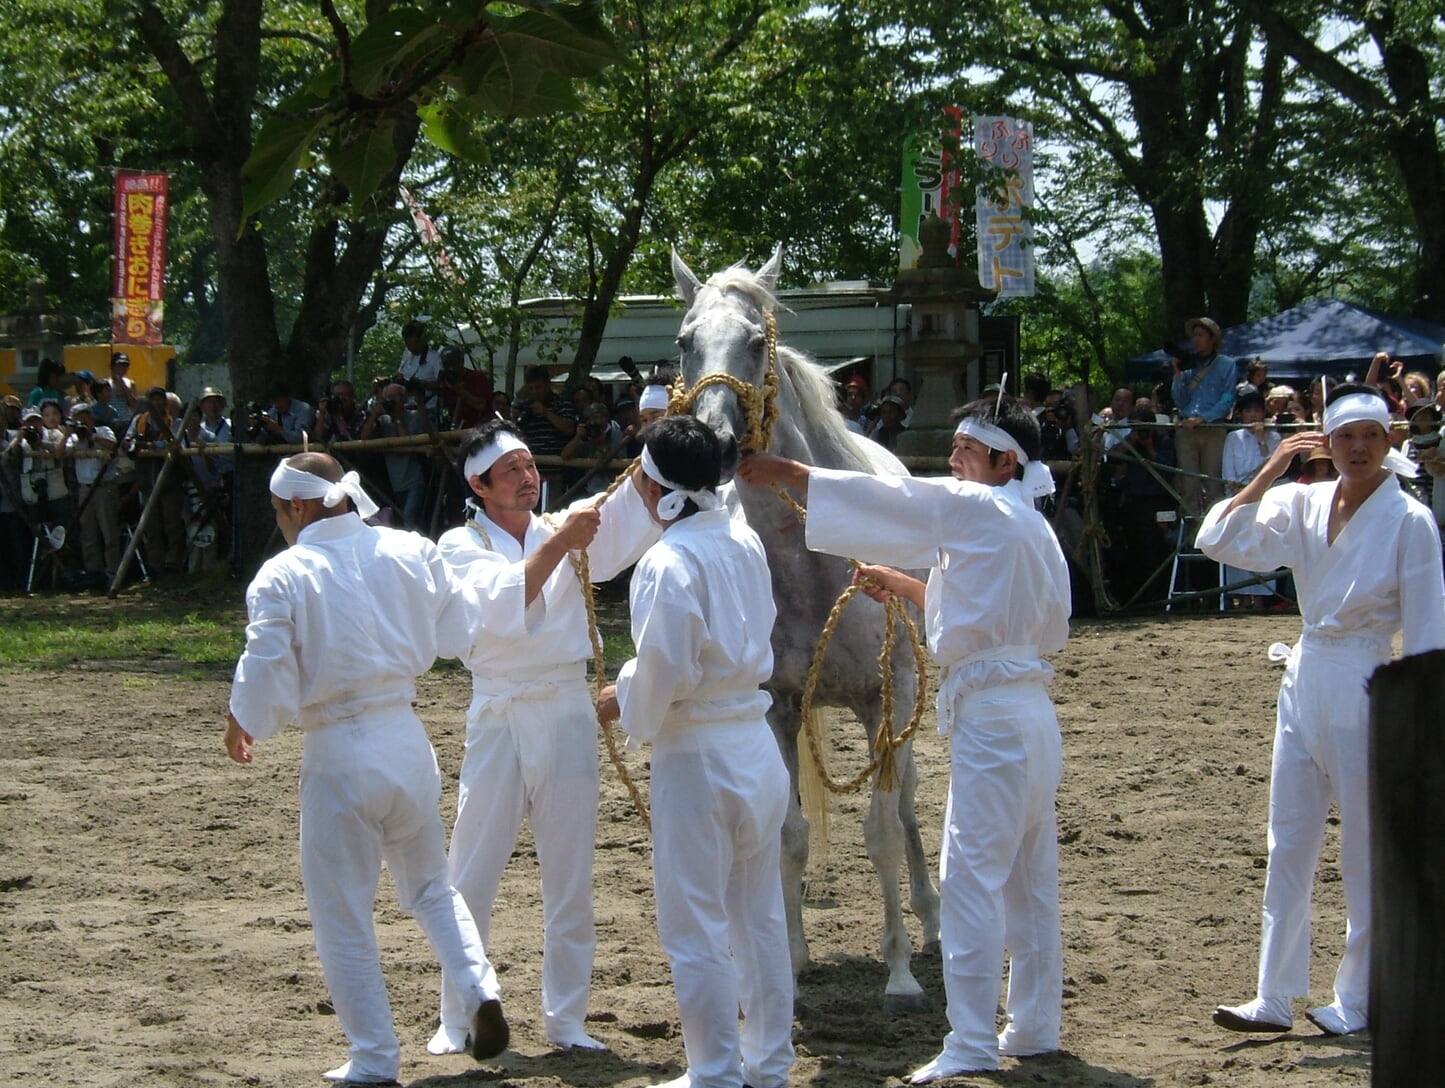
(578, 528)
(238, 741)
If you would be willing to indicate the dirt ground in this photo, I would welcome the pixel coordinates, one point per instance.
(152, 929)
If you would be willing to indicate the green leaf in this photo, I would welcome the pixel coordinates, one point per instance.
(362, 157)
(397, 40)
(271, 167)
(453, 131)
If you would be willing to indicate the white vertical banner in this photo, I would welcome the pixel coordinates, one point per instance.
(1005, 236)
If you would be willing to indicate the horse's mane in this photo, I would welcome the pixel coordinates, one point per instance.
(807, 389)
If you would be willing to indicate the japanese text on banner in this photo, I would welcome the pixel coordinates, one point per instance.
(138, 287)
(1005, 236)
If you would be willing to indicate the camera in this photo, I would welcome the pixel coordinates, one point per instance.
(333, 405)
(255, 411)
(1428, 440)
(1284, 418)
(388, 405)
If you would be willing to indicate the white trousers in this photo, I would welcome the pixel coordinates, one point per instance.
(534, 759)
(999, 875)
(1321, 751)
(369, 793)
(719, 795)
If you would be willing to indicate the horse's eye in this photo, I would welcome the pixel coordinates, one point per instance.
(757, 343)
(684, 341)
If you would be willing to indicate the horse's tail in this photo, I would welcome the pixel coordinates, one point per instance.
(812, 793)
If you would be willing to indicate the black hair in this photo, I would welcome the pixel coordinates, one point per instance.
(1036, 385)
(536, 374)
(1345, 389)
(412, 328)
(477, 438)
(1010, 415)
(687, 452)
(1249, 400)
(48, 369)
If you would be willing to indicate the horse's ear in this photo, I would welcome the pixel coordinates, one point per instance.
(688, 285)
(768, 274)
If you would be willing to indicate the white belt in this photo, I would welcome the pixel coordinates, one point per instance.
(319, 714)
(954, 678)
(494, 692)
(1328, 639)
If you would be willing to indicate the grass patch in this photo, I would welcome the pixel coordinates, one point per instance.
(61, 640)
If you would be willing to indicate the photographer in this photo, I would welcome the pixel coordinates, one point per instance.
(1143, 540)
(1056, 420)
(340, 418)
(421, 367)
(15, 538)
(546, 420)
(42, 479)
(594, 437)
(98, 495)
(286, 421)
(391, 416)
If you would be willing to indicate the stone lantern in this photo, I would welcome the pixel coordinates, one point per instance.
(942, 351)
(36, 333)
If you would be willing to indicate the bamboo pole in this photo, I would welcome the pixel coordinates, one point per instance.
(147, 514)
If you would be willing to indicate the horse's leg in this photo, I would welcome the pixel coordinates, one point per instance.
(884, 835)
(784, 717)
(922, 894)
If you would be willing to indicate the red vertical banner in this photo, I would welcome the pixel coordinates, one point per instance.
(138, 291)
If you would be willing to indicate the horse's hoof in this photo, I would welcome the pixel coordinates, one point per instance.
(896, 1004)
(932, 948)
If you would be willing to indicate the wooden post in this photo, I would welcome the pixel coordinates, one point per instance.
(1407, 848)
(174, 455)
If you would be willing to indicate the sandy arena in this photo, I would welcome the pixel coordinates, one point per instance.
(152, 929)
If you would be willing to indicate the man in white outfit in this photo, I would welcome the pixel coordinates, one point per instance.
(531, 748)
(1366, 562)
(996, 601)
(369, 783)
(702, 619)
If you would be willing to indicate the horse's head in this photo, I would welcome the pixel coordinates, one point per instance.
(725, 331)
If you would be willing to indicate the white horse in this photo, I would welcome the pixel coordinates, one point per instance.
(726, 331)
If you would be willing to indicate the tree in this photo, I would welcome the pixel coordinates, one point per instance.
(1400, 113)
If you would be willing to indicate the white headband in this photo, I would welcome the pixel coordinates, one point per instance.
(653, 396)
(1368, 408)
(504, 443)
(292, 483)
(671, 504)
(1038, 481)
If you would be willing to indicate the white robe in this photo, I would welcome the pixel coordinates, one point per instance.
(1382, 575)
(531, 750)
(997, 599)
(702, 619)
(369, 783)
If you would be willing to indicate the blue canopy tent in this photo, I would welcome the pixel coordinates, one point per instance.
(1325, 336)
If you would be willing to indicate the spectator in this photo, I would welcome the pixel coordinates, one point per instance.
(1277, 404)
(1055, 421)
(654, 402)
(42, 478)
(891, 413)
(855, 400)
(340, 418)
(1121, 407)
(1424, 448)
(1316, 404)
(125, 400)
(1147, 538)
(902, 388)
(593, 439)
(165, 536)
(97, 494)
(1319, 468)
(1256, 379)
(103, 406)
(1440, 390)
(1417, 386)
(393, 415)
(545, 419)
(1245, 451)
(1036, 392)
(49, 383)
(421, 367)
(210, 427)
(501, 405)
(1204, 396)
(466, 396)
(15, 538)
(288, 420)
